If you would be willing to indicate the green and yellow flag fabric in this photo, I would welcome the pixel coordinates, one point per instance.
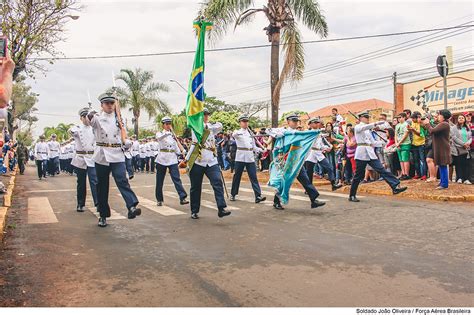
(196, 95)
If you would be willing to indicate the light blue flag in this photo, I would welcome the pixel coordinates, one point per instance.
(289, 154)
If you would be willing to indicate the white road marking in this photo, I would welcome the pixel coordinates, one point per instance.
(114, 215)
(163, 210)
(270, 193)
(211, 204)
(40, 211)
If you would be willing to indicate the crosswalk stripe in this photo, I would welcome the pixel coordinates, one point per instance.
(163, 210)
(114, 215)
(40, 211)
(270, 193)
(211, 204)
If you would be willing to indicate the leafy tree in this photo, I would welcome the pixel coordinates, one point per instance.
(297, 112)
(282, 16)
(25, 136)
(228, 120)
(216, 105)
(61, 131)
(141, 93)
(24, 100)
(177, 121)
(33, 28)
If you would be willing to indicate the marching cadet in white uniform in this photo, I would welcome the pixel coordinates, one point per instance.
(71, 152)
(62, 157)
(167, 158)
(365, 154)
(316, 155)
(82, 161)
(143, 155)
(53, 156)
(245, 158)
(128, 159)
(154, 151)
(109, 158)
(207, 164)
(148, 154)
(135, 153)
(41, 157)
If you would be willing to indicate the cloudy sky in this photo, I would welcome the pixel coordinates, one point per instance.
(131, 27)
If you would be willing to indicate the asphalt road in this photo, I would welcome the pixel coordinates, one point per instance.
(381, 251)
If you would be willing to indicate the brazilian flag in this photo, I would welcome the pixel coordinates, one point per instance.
(196, 95)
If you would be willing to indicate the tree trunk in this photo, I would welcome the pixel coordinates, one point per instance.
(275, 74)
(135, 126)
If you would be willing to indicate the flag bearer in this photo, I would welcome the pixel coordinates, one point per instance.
(167, 158)
(207, 164)
(245, 158)
(293, 122)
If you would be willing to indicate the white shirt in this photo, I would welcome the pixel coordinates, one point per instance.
(135, 148)
(363, 136)
(71, 151)
(142, 149)
(84, 142)
(382, 135)
(208, 158)
(106, 131)
(54, 147)
(166, 142)
(244, 140)
(316, 153)
(62, 153)
(41, 151)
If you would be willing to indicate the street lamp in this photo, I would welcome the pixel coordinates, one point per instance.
(185, 91)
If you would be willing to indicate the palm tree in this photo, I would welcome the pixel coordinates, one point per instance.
(141, 93)
(281, 15)
(61, 131)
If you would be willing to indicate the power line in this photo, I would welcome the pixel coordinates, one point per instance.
(254, 46)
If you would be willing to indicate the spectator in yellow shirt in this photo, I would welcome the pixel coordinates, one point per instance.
(418, 145)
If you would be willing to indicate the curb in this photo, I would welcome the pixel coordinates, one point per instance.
(7, 201)
(387, 192)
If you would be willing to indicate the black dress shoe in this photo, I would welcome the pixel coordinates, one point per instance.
(316, 203)
(194, 216)
(134, 212)
(131, 177)
(183, 201)
(223, 213)
(399, 189)
(80, 209)
(260, 199)
(232, 198)
(335, 187)
(159, 203)
(278, 206)
(102, 222)
(353, 199)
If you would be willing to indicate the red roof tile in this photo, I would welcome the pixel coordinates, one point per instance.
(355, 107)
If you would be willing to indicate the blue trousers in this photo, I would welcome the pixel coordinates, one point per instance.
(307, 184)
(81, 185)
(119, 175)
(443, 176)
(214, 174)
(128, 165)
(251, 171)
(419, 159)
(378, 167)
(325, 166)
(160, 178)
(41, 167)
(53, 165)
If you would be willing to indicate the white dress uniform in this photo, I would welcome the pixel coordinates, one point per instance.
(245, 159)
(246, 147)
(365, 141)
(149, 149)
(365, 154)
(167, 158)
(41, 151)
(316, 153)
(84, 146)
(208, 155)
(54, 147)
(108, 140)
(135, 148)
(142, 149)
(167, 148)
